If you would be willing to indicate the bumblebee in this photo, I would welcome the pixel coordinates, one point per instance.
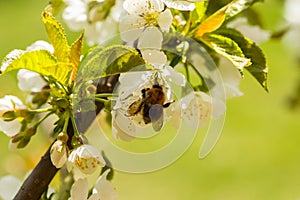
(150, 105)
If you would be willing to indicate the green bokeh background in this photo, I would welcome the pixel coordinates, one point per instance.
(257, 156)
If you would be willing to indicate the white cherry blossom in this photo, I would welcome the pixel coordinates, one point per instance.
(98, 18)
(9, 103)
(30, 81)
(103, 189)
(142, 14)
(181, 5)
(231, 79)
(9, 186)
(253, 32)
(86, 158)
(131, 85)
(196, 109)
(292, 16)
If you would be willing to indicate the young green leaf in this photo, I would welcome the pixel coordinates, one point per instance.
(212, 23)
(258, 67)
(215, 21)
(199, 11)
(56, 5)
(75, 55)
(228, 48)
(109, 61)
(56, 35)
(42, 62)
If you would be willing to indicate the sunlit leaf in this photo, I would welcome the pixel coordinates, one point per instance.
(228, 48)
(258, 67)
(56, 5)
(109, 61)
(212, 23)
(42, 62)
(75, 53)
(199, 11)
(215, 21)
(56, 36)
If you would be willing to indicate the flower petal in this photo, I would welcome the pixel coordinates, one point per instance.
(174, 76)
(9, 186)
(136, 7)
(131, 27)
(155, 57)
(143, 7)
(58, 154)
(180, 5)
(151, 38)
(40, 45)
(8, 102)
(86, 158)
(30, 81)
(156, 5)
(75, 15)
(79, 190)
(119, 134)
(165, 20)
(125, 124)
(104, 188)
(231, 79)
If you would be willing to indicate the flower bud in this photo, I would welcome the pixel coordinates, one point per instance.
(58, 154)
(9, 116)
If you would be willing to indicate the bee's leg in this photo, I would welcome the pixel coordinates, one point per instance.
(168, 104)
(144, 92)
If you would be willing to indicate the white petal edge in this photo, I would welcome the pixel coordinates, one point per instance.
(180, 5)
(9, 186)
(79, 190)
(174, 76)
(104, 188)
(150, 38)
(131, 27)
(155, 57)
(30, 81)
(165, 20)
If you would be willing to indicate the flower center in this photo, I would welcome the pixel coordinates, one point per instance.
(151, 18)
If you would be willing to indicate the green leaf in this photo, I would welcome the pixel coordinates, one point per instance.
(56, 35)
(42, 62)
(237, 6)
(228, 48)
(212, 23)
(199, 12)
(109, 61)
(258, 68)
(56, 5)
(216, 20)
(75, 53)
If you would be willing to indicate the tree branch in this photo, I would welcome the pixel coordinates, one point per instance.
(41, 176)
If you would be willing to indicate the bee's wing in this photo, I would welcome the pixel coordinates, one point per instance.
(135, 107)
(156, 114)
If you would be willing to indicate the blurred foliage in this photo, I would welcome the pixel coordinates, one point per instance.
(257, 156)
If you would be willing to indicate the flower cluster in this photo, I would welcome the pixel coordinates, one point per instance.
(165, 63)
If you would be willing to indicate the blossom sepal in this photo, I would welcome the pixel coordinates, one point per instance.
(23, 138)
